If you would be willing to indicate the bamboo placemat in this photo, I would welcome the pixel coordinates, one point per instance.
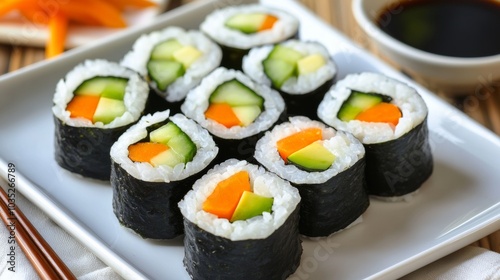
(483, 105)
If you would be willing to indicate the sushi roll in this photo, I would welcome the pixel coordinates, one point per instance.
(234, 109)
(241, 223)
(326, 166)
(154, 164)
(174, 61)
(237, 29)
(93, 105)
(390, 119)
(301, 71)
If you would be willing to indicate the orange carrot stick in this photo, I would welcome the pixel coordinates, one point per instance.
(226, 195)
(382, 112)
(35, 15)
(122, 4)
(268, 23)
(9, 5)
(83, 19)
(102, 12)
(297, 141)
(223, 114)
(58, 27)
(83, 106)
(145, 151)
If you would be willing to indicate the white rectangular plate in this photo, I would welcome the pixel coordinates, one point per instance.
(456, 206)
(16, 30)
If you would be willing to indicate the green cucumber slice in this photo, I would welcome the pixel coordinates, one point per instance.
(109, 87)
(359, 102)
(163, 73)
(183, 146)
(177, 140)
(278, 71)
(165, 50)
(364, 100)
(234, 93)
(247, 114)
(164, 133)
(108, 109)
(348, 112)
(287, 54)
(246, 23)
(168, 157)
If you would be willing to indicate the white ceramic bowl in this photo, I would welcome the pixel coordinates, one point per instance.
(438, 72)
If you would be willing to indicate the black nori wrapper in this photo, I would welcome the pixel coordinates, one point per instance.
(85, 150)
(333, 205)
(232, 58)
(306, 104)
(208, 256)
(149, 208)
(242, 149)
(157, 103)
(400, 166)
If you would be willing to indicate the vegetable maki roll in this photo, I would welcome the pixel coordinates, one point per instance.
(173, 61)
(237, 29)
(326, 166)
(93, 105)
(241, 223)
(390, 119)
(155, 163)
(301, 71)
(234, 109)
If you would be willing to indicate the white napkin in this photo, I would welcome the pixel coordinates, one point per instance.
(83, 264)
(469, 263)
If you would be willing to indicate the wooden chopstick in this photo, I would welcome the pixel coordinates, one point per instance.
(43, 258)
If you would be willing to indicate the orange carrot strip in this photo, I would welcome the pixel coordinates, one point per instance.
(297, 141)
(33, 7)
(382, 112)
(58, 26)
(226, 195)
(268, 23)
(223, 114)
(9, 5)
(145, 151)
(83, 106)
(102, 12)
(35, 15)
(83, 19)
(122, 4)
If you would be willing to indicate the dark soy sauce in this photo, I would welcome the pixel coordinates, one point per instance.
(459, 28)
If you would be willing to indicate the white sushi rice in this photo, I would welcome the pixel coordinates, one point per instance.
(197, 102)
(206, 150)
(138, 58)
(214, 25)
(286, 199)
(252, 66)
(407, 99)
(136, 93)
(344, 146)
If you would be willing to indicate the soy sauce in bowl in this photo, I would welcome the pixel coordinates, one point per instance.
(458, 28)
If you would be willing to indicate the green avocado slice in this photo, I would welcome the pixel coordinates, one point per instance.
(251, 205)
(314, 157)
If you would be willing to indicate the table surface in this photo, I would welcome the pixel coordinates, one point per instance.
(483, 105)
